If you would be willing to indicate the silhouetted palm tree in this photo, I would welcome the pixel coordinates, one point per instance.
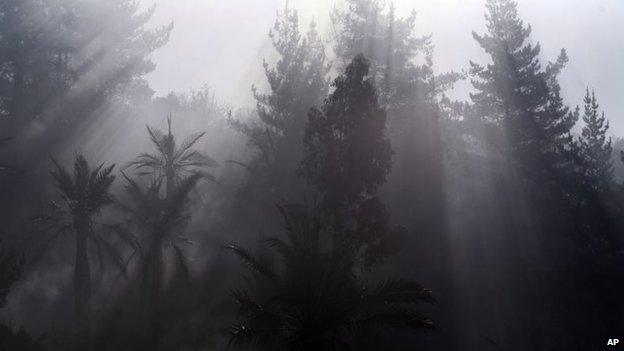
(84, 193)
(172, 162)
(163, 221)
(314, 302)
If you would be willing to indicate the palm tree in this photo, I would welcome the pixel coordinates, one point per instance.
(172, 162)
(163, 221)
(84, 193)
(314, 302)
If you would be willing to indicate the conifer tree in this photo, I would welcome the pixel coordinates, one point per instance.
(297, 82)
(347, 158)
(401, 66)
(389, 43)
(594, 147)
(520, 96)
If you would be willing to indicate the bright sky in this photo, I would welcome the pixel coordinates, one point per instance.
(221, 43)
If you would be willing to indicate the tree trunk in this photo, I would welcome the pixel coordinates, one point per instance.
(152, 276)
(82, 276)
(151, 292)
(156, 271)
(170, 178)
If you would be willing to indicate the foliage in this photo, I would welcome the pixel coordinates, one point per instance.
(296, 82)
(594, 147)
(519, 96)
(401, 64)
(84, 193)
(162, 221)
(90, 48)
(313, 302)
(173, 162)
(347, 158)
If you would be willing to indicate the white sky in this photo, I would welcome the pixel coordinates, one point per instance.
(221, 43)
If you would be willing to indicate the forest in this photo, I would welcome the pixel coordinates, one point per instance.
(356, 204)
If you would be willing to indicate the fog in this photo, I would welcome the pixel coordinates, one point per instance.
(223, 42)
(311, 175)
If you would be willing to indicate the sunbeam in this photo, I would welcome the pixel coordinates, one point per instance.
(311, 175)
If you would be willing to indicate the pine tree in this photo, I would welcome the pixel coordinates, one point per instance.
(594, 147)
(520, 97)
(346, 154)
(297, 82)
(401, 66)
(347, 158)
(389, 42)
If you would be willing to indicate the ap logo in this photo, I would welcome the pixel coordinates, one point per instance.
(613, 342)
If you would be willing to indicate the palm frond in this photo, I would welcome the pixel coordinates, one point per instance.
(254, 264)
(195, 158)
(282, 248)
(175, 205)
(63, 181)
(392, 317)
(188, 142)
(133, 188)
(400, 291)
(157, 137)
(113, 253)
(244, 165)
(209, 176)
(146, 160)
(124, 235)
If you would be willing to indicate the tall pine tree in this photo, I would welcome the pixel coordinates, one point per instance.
(401, 66)
(347, 158)
(594, 147)
(297, 82)
(520, 96)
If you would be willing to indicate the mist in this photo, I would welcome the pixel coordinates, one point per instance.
(327, 175)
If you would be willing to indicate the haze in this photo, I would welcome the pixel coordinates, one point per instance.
(221, 43)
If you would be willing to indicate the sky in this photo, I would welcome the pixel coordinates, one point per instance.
(221, 43)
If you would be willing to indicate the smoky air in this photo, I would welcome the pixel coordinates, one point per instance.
(311, 176)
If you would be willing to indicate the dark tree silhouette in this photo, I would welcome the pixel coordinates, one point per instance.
(11, 269)
(346, 154)
(372, 28)
(519, 96)
(312, 301)
(95, 50)
(347, 158)
(297, 82)
(171, 162)
(162, 222)
(595, 148)
(84, 192)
